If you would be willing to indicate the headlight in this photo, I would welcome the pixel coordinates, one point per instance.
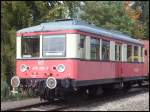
(60, 68)
(15, 82)
(23, 68)
(51, 82)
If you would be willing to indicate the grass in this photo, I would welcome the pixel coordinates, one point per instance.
(7, 95)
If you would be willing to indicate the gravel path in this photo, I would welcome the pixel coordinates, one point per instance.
(135, 100)
(139, 102)
(15, 104)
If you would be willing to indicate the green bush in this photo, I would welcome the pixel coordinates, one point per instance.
(6, 93)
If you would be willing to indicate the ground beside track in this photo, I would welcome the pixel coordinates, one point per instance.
(139, 102)
(137, 99)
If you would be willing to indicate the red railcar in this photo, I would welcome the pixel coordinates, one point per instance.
(71, 55)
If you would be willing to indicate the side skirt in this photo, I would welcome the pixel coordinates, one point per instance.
(77, 83)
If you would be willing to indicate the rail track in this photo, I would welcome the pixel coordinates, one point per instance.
(58, 105)
(80, 101)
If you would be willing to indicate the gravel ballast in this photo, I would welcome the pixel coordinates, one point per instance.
(139, 102)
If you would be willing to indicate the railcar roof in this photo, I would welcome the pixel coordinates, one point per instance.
(73, 24)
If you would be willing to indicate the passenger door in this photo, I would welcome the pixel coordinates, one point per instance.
(118, 59)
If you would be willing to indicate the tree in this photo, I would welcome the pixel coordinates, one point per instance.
(111, 15)
(63, 9)
(141, 10)
(38, 11)
(14, 16)
(145, 17)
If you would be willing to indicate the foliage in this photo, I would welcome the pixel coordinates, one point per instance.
(111, 15)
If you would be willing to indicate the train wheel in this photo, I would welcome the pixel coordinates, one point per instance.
(140, 83)
(41, 90)
(49, 95)
(126, 87)
(92, 92)
(30, 92)
(108, 89)
(82, 92)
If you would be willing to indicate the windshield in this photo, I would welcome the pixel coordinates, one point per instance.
(30, 46)
(53, 45)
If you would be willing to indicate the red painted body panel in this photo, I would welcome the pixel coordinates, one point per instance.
(80, 70)
(43, 69)
(90, 70)
(132, 69)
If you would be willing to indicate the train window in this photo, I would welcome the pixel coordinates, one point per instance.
(95, 47)
(141, 54)
(118, 52)
(129, 53)
(82, 41)
(30, 46)
(136, 54)
(53, 45)
(105, 50)
(82, 46)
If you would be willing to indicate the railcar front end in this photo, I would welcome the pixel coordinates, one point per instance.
(46, 63)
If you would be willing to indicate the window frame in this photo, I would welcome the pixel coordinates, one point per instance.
(129, 60)
(34, 36)
(84, 42)
(141, 54)
(118, 45)
(64, 55)
(136, 54)
(82, 46)
(105, 41)
(97, 46)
